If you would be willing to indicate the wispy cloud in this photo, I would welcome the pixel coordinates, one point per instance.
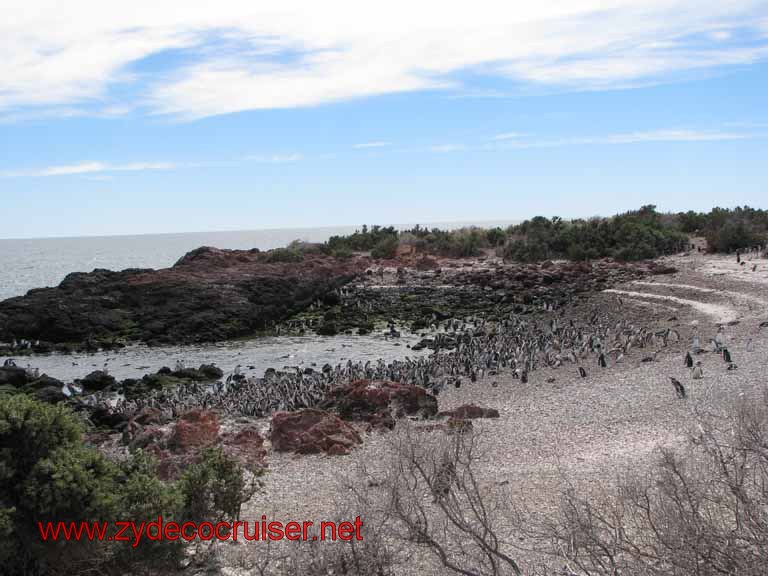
(241, 55)
(650, 136)
(508, 136)
(505, 141)
(275, 158)
(447, 148)
(87, 168)
(658, 136)
(375, 144)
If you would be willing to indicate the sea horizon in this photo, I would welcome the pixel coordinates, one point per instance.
(452, 224)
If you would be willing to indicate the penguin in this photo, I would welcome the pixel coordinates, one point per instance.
(679, 388)
(726, 356)
(582, 372)
(688, 360)
(524, 377)
(696, 344)
(697, 372)
(601, 360)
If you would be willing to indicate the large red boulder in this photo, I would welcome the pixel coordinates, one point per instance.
(195, 429)
(470, 412)
(379, 402)
(312, 431)
(246, 445)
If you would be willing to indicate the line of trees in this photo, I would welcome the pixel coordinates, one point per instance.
(634, 235)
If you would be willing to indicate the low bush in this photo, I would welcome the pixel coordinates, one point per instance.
(47, 473)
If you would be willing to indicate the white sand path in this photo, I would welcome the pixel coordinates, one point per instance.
(718, 312)
(729, 293)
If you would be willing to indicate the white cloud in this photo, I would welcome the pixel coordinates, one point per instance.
(376, 144)
(509, 140)
(447, 148)
(87, 168)
(664, 135)
(721, 35)
(245, 55)
(508, 136)
(275, 158)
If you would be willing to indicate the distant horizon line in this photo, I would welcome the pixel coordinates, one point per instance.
(400, 225)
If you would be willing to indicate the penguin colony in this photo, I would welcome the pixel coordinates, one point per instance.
(484, 349)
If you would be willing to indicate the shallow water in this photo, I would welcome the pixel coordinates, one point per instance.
(254, 356)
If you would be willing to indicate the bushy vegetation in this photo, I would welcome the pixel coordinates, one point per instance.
(47, 473)
(383, 242)
(290, 254)
(727, 230)
(631, 236)
(634, 235)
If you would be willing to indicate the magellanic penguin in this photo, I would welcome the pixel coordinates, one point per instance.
(688, 360)
(679, 388)
(697, 372)
(582, 372)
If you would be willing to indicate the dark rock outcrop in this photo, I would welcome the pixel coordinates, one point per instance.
(95, 381)
(208, 295)
(13, 376)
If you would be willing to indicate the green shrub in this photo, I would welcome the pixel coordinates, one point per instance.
(385, 248)
(47, 473)
(342, 252)
(283, 255)
(214, 489)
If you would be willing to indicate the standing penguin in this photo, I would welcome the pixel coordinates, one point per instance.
(601, 360)
(679, 388)
(688, 360)
(524, 377)
(582, 372)
(696, 344)
(726, 356)
(697, 373)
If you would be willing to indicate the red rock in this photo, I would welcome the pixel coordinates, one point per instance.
(195, 429)
(312, 431)
(470, 411)
(246, 446)
(378, 402)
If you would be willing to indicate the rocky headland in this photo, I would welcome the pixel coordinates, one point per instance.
(208, 295)
(214, 295)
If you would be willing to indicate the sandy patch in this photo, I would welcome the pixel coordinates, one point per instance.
(718, 312)
(729, 293)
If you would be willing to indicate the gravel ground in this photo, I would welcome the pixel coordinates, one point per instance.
(587, 430)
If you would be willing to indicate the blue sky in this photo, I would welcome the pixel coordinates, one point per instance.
(234, 116)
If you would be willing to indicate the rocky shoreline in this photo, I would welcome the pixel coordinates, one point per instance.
(214, 295)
